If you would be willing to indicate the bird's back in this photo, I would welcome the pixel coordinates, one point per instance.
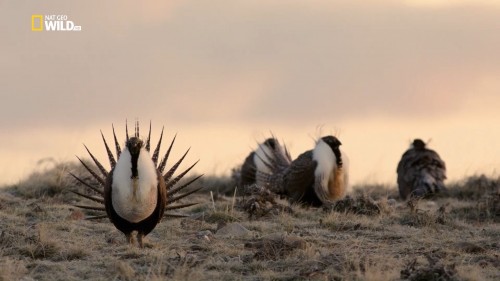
(420, 172)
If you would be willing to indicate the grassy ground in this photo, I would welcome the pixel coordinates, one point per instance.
(372, 236)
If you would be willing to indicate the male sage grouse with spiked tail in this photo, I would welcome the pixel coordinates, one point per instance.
(135, 193)
(319, 176)
(269, 158)
(420, 171)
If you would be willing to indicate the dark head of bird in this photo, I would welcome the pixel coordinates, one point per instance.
(332, 141)
(334, 144)
(134, 145)
(270, 142)
(418, 144)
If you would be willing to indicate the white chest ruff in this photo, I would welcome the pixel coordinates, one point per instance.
(327, 162)
(134, 199)
(331, 176)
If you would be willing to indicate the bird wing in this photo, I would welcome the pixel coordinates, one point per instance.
(299, 177)
(107, 194)
(162, 196)
(436, 165)
(248, 170)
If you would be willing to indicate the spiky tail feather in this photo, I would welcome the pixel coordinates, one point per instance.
(170, 183)
(426, 184)
(168, 175)
(111, 158)
(157, 149)
(277, 162)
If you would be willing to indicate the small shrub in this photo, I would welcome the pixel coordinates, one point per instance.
(362, 205)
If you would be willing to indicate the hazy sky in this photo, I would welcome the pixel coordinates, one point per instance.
(223, 74)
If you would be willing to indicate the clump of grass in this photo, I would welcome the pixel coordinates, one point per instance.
(424, 218)
(419, 219)
(41, 250)
(376, 191)
(474, 188)
(42, 246)
(46, 182)
(491, 206)
(259, 202)
(124, 270)
(348, 222)
(485, 209)
(216, 215)
(220, 217)
(217, 184)
(186, 273)
(372, 271)
(363, 205)
(470, 273)
(75, 252)
(433, 271)
(276, 247)
(11, 269)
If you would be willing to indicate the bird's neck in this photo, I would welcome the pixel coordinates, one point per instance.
(134, 159)
(338, 156)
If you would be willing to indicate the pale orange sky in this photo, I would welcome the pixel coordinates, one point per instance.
(223, 74)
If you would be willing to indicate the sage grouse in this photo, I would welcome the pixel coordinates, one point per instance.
(319, 176)
(420, 171)
(135, 193)
(269, 158)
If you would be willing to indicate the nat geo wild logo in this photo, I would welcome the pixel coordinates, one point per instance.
(53, 23)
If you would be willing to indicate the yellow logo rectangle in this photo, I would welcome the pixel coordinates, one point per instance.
(40, 22)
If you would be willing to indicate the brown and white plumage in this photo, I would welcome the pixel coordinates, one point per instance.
(316, 177)
(420, 171)
(319, 176)
(269, 158)
(135, 193)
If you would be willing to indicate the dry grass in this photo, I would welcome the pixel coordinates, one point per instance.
(370, 236)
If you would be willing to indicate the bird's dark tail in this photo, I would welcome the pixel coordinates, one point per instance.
(427, 184)
(272, 162)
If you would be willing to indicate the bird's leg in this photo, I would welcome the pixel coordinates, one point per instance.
(139, 239)
(130, 238)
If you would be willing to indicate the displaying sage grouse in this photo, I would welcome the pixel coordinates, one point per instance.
(420, 172)
(269, 158)
(135, 193)
(319, 176)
